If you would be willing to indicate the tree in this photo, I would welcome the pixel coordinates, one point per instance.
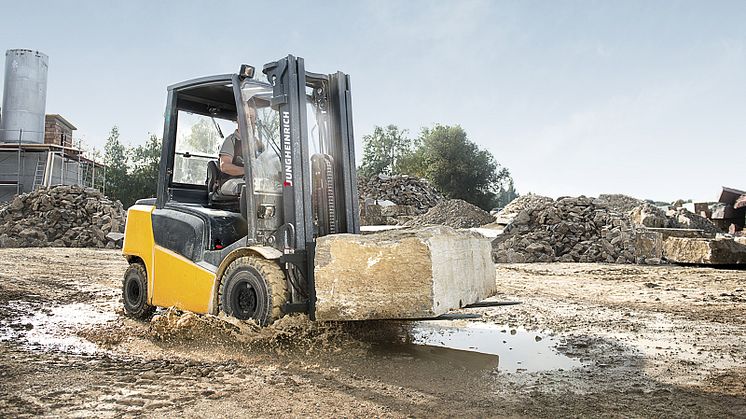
(383, 151)
(116, 158)
(458, 167)
(202, 138)
(131, 172)
(145, 162)
(506, 194)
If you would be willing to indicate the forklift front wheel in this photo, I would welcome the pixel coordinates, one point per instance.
(253, 288)
(135, 292)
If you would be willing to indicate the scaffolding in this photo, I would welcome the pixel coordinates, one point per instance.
(25, 167)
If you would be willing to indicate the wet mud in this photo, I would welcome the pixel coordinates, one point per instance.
(587, 340)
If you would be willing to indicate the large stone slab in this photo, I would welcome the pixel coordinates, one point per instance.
(398, 274)
(648, 245)
(721, 251)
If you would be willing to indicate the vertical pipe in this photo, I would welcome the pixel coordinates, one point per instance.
(80, 151)
(18, 169)
(50, 155)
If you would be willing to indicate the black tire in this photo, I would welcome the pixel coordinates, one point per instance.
(135, 292)
(253, 288)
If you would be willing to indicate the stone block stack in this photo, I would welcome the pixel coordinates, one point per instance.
(401, 190)
(567, 230)
(62, 216)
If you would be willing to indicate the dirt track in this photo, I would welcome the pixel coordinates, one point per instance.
(628, 341)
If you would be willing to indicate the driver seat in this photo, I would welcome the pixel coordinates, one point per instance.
(214, 198)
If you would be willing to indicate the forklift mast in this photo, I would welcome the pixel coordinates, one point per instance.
(319, 194)
(317, 163)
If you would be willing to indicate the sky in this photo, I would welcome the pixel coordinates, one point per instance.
(645, 98)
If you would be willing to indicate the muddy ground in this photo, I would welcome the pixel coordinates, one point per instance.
(587, 340)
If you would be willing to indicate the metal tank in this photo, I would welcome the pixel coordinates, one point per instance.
(24, 96)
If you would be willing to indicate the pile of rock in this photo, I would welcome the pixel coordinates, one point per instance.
(620, 203)
(507, 214)
(401, 190)
(454, 213)
(568, 230)
(374, 212)
(649, 215)
(62, 216)
(683, 218)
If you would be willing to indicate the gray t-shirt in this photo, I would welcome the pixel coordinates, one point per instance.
(229, 146)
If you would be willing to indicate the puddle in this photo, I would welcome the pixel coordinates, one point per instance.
(476, 344)
(53, 328)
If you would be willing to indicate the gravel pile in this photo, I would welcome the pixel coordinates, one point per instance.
(401, 190)
(567, 230)
(61, 216)
(454, 213)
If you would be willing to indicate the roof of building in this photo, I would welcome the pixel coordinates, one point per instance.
(62, 120)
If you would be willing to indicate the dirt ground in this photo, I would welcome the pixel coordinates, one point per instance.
(586, 340)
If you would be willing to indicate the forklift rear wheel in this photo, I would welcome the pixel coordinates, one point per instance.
(253, 288)
(135, 292)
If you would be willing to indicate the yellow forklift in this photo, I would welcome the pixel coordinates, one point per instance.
(250, 253)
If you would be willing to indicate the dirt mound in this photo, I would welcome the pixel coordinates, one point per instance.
(61, 216)
(401, 190)
(454, 213)
(568, 230)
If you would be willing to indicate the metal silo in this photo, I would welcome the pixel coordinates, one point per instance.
(24, 96)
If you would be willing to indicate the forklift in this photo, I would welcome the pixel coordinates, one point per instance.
(249, 255)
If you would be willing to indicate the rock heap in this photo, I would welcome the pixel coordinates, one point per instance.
(683, 218)
(649, 215)
(507, 214)
(454, 213)
(61, 216)
(401, 190)
(568, 230)
(620, 203)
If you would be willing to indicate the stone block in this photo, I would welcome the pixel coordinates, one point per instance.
(721, 251)
(648, 245)
(398, 274)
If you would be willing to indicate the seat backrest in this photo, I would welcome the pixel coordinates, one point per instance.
(213, 176)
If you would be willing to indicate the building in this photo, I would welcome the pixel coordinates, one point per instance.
(57, 130)
(25, 167)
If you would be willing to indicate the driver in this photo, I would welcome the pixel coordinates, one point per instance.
(231, 159)
(231, 164)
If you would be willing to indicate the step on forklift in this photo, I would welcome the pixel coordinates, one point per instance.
(250, 254)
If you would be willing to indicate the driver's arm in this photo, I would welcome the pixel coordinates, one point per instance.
(227, 166)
